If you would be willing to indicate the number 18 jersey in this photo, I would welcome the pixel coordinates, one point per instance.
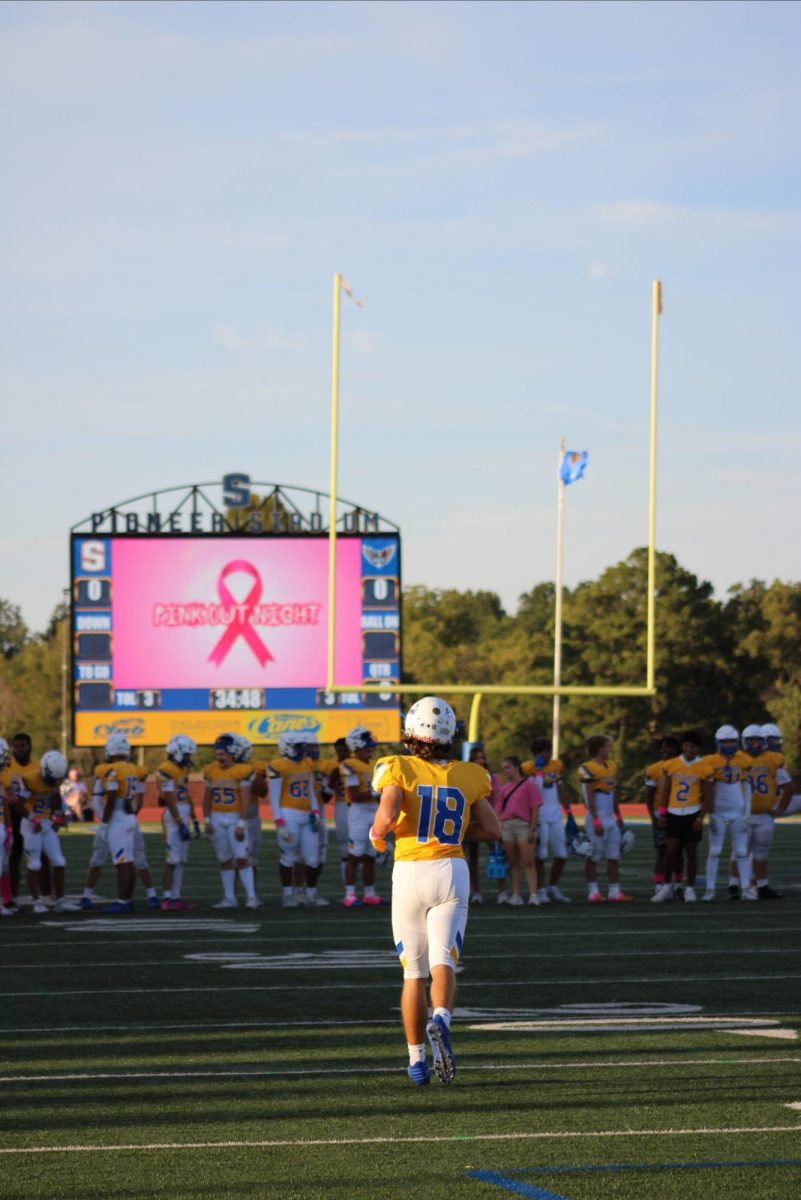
(437, 799)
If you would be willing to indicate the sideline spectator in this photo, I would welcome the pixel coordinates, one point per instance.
(517, 804)
(75, 796)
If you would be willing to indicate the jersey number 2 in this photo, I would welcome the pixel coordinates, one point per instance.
(441, 814)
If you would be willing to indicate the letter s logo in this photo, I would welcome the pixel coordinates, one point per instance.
(236, 490)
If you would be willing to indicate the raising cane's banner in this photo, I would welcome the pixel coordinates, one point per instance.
(233, 612)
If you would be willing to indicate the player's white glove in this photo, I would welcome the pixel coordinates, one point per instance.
(285, 839)
(377, 840)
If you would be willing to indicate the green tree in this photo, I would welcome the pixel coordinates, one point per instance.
(13, 630)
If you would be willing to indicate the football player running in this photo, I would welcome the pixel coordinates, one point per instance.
(430, 800)
(117, 753)
(225, 806)
(684, 794)
(179, 816)
(362, 806)
(547, 772)
(731, 808)
(296, 812)
(603, 823)
(771, 788)
(39, 803)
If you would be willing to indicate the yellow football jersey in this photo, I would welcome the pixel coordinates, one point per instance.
(326, 765)
(259, 766)
(763, 770)
(128, 776)
(734, 769)
(5, 785)
(363, 772)
(225, 785)
(37, 802)
(436, 806)
(603, 775)
(297, 783)
(654, 773)
(170, 773)
(685, 783)
(551, 773)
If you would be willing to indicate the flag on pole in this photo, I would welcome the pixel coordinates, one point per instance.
(346, 288)
(573, 465)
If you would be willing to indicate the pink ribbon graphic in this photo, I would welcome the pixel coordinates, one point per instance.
(240, 626)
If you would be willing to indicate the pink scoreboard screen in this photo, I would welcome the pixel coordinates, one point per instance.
(205, 634)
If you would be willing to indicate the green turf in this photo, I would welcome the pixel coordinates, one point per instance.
(121, 1033)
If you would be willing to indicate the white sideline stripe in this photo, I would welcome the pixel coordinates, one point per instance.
(536, 1065)
(361, 987)
(395, 1141)
(787, 1035)
(794, 1104)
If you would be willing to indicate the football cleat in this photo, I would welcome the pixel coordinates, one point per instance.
(289, 902)
(64, 905)
(663, 892)
(375, 901)
(120, 906)
(689, 895)
(559, 897)
(476, 898)
(440, 1041)
(225, 903)
(515, 900)
(178, 905)
(253, 902)
(596, 898)
(734, 891)
(503, 897)
(749, 894)
(766, 892)
(153, 902)
(352, 902)
(708, 896)
(39, 906)
(6, 912)
(419, 1073)
(317, 902)
(620, 898)
(535, 901)
(85, 902)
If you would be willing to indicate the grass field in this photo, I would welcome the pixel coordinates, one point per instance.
(629, 1051)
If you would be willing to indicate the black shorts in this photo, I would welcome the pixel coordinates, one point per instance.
(660, 835)
(680, 828)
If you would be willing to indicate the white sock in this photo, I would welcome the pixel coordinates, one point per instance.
(228, 881)
(592, 887)
(369, 891)
(350, 890)
(762, 883)
(614, 890)
(166, 895)
(151, 891)
(88, 894)
(416, 1053)
(177, 879)
(248, 883)
(288, 891)
(445, 1013)
(744, 873)
(311, 892)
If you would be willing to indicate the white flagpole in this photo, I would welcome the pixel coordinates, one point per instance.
(557, 639)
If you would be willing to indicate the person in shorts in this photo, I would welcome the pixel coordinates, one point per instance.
(684, 796)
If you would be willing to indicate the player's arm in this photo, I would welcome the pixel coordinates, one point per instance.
(662, 800)
(110, 789)
(484, 819)
(245, 792)
(259, 787)
(388, 811)
(588, 789)
(785, 782)
(650, 796)
(167, 797)
(707, 794)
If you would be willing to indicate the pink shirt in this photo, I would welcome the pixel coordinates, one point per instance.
(526, 798)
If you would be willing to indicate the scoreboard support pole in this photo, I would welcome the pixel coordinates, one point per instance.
(332, 517)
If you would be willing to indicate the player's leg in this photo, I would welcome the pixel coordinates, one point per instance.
(310, 853)
(692, 839)
(528, 863)
(224, 851)
(447, 894)
(717, 834)
(410, 935)
(544, 837)
(591, 862)
(58, 864)
(558, 847)
(143, 867)
(761, 826)
(32, 844)
(611, 839)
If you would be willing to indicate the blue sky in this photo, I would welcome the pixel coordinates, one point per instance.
(500, 182)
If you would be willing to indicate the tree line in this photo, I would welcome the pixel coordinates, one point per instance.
(736, 659)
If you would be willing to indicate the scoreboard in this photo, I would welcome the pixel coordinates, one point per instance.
(209, 634)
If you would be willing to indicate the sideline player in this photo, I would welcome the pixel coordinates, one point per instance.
(6, 830)
(683, 797)
(225, 806)
(668, 748)
(332, 768)
(731, 808)
(547, 772)
(362, 806)
(39, 802)
(296, 812)
(603, 823)
(429, 801)
(117, 751)
(179, 812)
(324, 794)
(772, 788)
(22, 765)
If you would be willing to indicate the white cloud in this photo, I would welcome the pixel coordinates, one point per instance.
(653, 216)
(600, 270)
(267, 336)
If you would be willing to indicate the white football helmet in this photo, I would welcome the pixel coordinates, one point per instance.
(5, 753)
(292, 746)
(773, 736)
(181, 749)
(626, 841)
(431, 720)
(53, 767)
(580, 845)
(244, 748)
(117, 745)
(727, 739)
(752, 739)
(360, 738)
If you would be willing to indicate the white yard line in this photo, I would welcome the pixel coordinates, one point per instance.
(537, 1065)
(273, 1143)
(362, 986)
